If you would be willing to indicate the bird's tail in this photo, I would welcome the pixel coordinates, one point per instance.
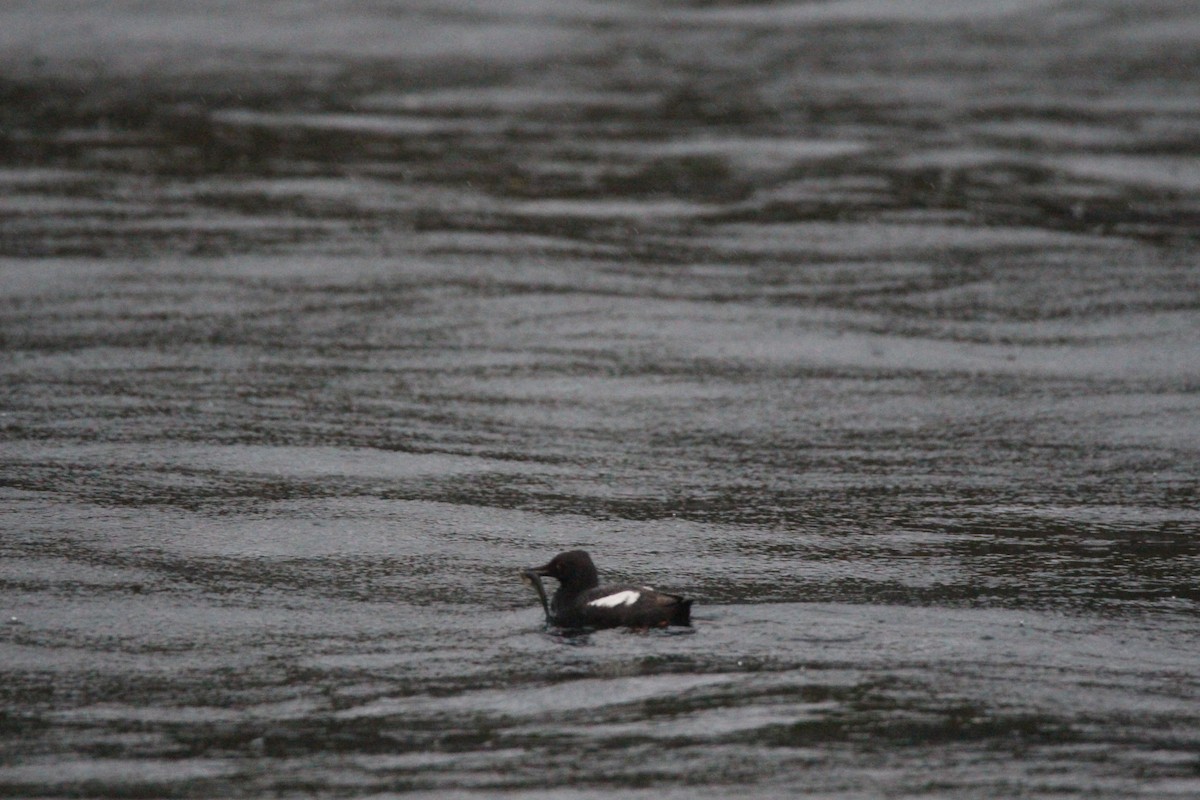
(683, 613)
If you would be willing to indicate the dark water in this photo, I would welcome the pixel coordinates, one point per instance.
(871, 326)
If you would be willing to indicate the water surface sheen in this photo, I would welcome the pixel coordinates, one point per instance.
(871, 326)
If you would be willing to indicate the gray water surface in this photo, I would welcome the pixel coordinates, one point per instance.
(870, 326)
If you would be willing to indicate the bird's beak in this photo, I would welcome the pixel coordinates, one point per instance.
(541, 572)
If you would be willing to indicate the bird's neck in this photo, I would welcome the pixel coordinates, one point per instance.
(564, 597)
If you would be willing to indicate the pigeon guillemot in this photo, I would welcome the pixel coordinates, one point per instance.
(581, 602)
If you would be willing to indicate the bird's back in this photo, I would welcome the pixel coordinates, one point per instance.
(625, 606)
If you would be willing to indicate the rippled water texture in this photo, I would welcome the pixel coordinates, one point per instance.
(872, 326)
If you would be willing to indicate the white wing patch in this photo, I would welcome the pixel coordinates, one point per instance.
(625, 598)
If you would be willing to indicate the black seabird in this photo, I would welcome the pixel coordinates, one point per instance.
(581, 602)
